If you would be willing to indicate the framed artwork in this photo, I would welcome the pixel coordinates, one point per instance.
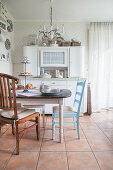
(3, 57)
(0, 56)
(8, 57)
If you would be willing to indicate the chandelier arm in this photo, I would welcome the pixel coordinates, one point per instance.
(52, 35)
(51, 13)
(51, 16)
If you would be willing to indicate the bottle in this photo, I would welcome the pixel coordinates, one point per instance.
(41, 87)
(41, 71)
(61, 73)
(56, 73)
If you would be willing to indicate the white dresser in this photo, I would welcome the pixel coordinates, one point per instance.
(73, 60)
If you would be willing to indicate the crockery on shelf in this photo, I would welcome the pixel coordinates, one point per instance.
(26, 73)
(46, 75)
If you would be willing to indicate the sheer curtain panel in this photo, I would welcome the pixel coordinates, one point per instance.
(101, 65)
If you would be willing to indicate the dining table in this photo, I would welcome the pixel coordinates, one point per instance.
(35, 98)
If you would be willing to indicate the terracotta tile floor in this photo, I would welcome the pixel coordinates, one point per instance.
(94, 151)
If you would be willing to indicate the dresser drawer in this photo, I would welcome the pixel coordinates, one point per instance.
(55, 83)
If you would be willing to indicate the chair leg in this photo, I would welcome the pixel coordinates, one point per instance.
(0, 127)
(17, 139)
(38, 127)
(43, 113)
(53, 127)
(78, 128)
(40, 113)
(74, 122)
(13, 129)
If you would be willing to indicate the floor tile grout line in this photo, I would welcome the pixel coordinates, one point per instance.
(40, 147)
(38, 156)
(8, 160)
(92, 150)
(4, 132)
(66, 153)
(58, 151)
(13, 151)
(72, 151)
(103, 132)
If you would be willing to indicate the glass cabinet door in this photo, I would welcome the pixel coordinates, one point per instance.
(53, 58)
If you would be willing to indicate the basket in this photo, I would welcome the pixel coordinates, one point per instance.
(66, 43)
(75, 43)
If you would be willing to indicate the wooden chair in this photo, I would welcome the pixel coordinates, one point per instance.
(69, 111)
(10, 114)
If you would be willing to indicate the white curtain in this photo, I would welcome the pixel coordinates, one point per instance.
(101, 65)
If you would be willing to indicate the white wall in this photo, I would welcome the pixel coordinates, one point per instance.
(6, 67)
(23, 29)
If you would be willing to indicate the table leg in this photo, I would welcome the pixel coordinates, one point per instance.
(61, 123)
(43, 112)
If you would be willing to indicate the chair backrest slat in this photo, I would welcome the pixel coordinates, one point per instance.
(0, 97)
(79, 93)
(9, 91)
(14, 98)
(5, 91)
(80, 83)
(77, 101)
(2, 92)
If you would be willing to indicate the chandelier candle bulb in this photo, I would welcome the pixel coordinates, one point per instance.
(40, 28)
(44, 28)
(52, 35)
(51, 27)
(57, 27)
(63, 31)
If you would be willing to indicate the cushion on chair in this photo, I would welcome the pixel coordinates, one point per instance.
(19, 105)
(66, 109)
(22, 113)
(33, 106)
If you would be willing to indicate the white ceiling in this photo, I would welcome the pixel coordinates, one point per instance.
(63, 10)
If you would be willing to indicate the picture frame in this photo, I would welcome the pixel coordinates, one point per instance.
(3, 26)
(8, 57)
(3, 57)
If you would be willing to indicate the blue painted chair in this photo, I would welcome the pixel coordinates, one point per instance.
(69, 111)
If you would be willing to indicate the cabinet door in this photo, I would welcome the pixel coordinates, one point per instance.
(77, 61)
(54, 58)
(31, 53)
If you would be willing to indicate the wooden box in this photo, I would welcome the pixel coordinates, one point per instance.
(75, 43)
(66, 43)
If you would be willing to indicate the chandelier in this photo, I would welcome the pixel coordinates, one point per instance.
(53, 36)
